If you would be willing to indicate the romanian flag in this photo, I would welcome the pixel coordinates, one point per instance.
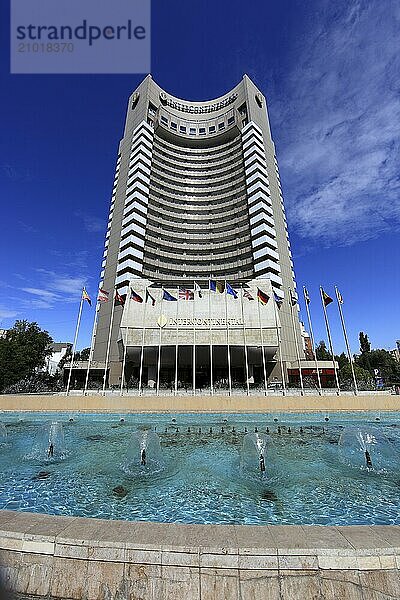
(339, 296)
(306, 295)
(168, 296)
(231, 291)
(217, 286)
(103, 296)
(85, 296)
(119, 300)
(325, 298)
(278, 300)
(135, 297)
(262, 296)
(150, 297)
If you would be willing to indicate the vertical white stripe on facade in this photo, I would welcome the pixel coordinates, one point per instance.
(262, 224)
(134, 219)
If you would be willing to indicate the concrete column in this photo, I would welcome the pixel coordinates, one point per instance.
(152, 376)
(251, 373)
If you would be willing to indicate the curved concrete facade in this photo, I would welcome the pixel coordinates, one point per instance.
(197, 196)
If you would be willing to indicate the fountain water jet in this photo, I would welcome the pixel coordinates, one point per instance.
(253, 452)
(144, 452)
(366, 448)
(3, 434)
(49, 442)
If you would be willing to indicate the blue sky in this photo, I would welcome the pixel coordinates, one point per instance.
(330, 71)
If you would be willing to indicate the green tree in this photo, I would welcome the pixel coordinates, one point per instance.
(342, 360)
(83, 354)
(22, 352)
(322, 352)
(364, 378)
(382, 361)
(365, 344)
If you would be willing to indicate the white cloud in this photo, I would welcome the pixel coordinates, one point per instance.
(339, 142)
(56, 287)
(39, 292)
(5, 313)
(91, 223)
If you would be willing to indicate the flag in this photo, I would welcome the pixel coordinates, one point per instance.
(339, 296)
(231, 291)
(118, 300)
(262, 296)
(293, 298)
(103, 296)
(136, 297)
(168, 296)
(85, 296)
(278, 300)
(197, 289)
(306, 295)
(185, 294)
(217, 286)
(246, 294)
(326, 299)
(150, 297)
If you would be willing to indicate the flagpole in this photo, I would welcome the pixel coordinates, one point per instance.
(346, 341)
(194, 344)
(296, 339)
(245, 344)
(312, 340)
(159, 346)
(94, 330)
(262, 350)
(78, 322)
(211, 344)
(142, 348)
(128, 299)
(109, 342)
(176, 343)
(328, 331)
(278, 331)
(227, 340)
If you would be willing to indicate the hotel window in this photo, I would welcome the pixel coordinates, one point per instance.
(211, 129)
(231, 120)
(152, 109)
(192, 131)
(221, 126)
(202, 130)
(173, 125)
(182, 129)
(150, 122)
(164, 119)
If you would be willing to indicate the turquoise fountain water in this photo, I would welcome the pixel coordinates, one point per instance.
(204, 468)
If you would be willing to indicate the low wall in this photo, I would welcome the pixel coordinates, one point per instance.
(52, 557)
(225, 404)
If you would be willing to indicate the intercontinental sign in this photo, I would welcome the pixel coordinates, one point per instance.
(162, 321)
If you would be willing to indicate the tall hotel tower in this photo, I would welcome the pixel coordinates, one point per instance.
(197, 243)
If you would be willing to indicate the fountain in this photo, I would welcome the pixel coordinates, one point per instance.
(49, 442)
(366, 448)
(144, 453)
(3, 434)
(253, 452)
